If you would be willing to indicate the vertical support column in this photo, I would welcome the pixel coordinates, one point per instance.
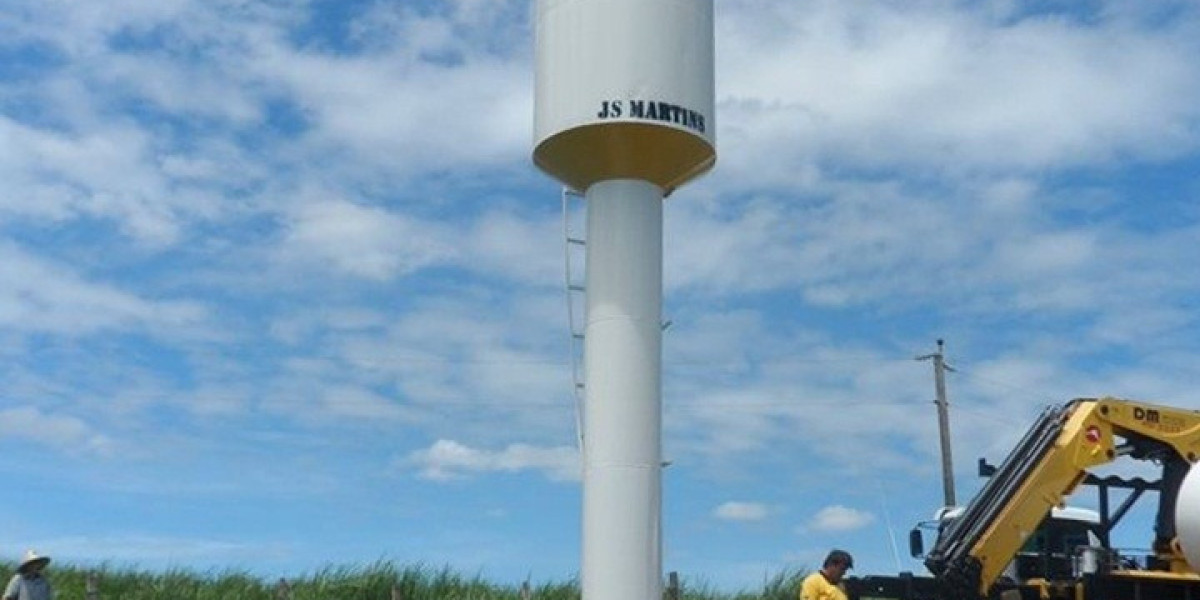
(622, 450)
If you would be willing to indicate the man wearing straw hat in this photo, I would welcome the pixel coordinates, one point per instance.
(29, 583)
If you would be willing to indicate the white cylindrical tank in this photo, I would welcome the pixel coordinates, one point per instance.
(624, 90)
(623, 114)
(1187, 517)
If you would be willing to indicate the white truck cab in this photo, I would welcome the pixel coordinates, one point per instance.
(1064, 545)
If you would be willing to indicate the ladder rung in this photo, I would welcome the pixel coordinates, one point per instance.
(575, 288)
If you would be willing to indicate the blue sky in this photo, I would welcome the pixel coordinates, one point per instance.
(280, 288)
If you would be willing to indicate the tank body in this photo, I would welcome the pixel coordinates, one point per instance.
(1187, 517)
(624, 90)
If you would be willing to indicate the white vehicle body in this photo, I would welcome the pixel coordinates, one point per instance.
(1065, 540)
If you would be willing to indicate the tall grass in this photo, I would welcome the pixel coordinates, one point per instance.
(373, 582)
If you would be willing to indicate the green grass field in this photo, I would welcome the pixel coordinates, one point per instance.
(374, 582)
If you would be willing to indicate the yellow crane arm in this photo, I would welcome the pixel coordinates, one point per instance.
(1047, 466)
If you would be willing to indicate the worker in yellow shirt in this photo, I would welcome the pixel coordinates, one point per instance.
(826, 583)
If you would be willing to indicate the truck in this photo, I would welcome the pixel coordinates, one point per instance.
(1017, 540)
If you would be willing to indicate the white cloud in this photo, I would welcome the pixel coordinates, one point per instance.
(386, 112)
(942, 85)
(741, 511)
(40, 295)
(61, 432)
(517, 247)
(403, 113)
(448, 459)
(353, 402)
(101, 173)
(502, 354)
(363, 241)
(379, 244)
(839, 518)
(1023, 250)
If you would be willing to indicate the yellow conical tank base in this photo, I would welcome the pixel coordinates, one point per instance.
(662, 155)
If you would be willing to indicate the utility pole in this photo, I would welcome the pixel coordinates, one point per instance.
(939, 376)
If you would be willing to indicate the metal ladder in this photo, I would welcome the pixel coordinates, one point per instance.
(576, 295)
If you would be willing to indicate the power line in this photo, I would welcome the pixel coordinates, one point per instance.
(1041, 395)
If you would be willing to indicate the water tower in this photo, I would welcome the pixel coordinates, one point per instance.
(623, 115)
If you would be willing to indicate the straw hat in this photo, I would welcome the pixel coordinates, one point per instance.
(32, 560)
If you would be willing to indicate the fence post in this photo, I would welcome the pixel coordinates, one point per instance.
(283, 591)
(396, 595)
(92, 586)
(525, 591)
(673, 585)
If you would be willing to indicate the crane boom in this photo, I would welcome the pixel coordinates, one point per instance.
(1046, 466)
